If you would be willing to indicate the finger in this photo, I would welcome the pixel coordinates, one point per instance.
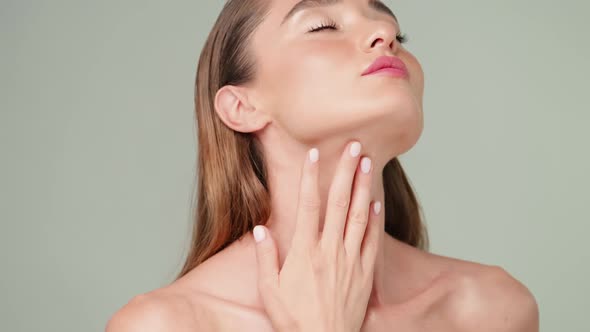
(309, 202)
(339, 196)
(358, 215)
(268, 272)
(267, 258)
(373, 236)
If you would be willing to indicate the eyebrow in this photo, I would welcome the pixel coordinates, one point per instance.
(306, 4)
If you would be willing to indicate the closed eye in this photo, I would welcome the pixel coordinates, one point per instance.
(331, 25)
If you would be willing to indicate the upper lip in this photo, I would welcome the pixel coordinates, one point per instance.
(385, 62)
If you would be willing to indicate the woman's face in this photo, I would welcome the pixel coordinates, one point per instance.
(311, 83)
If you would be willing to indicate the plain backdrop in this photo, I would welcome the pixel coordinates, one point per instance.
(97, 139)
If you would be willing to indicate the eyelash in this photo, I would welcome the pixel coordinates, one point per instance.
(402, 37)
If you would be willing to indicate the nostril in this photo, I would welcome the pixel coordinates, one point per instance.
(375, 41)
(380, 39)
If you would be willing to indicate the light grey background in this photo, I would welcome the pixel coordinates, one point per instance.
(98, 148)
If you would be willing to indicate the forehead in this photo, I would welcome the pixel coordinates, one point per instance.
(283, 10)
(280, 8)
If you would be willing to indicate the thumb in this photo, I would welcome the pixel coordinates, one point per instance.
(267, 257)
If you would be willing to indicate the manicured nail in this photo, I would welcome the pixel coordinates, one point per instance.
(314, 155)
(377, 207)
(259, 234)
(355, 149)
(366, 165)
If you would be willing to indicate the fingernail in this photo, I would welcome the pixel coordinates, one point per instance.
(377, 207)
(355, 149)
(366, 165)
(259, 233)
(314, 155)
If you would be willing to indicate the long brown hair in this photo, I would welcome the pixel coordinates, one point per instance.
(232, 193)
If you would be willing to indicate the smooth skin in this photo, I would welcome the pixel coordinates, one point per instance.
(327, 277)
(309, 92)
(325, 282)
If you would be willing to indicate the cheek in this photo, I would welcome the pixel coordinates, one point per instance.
(315, 67)
(417, 75)
(309, 79)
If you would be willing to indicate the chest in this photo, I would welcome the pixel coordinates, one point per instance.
(377, 323)
(426, 312)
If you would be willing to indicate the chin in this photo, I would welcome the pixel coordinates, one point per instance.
(398, 124)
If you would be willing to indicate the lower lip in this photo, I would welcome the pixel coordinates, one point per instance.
(391, 72)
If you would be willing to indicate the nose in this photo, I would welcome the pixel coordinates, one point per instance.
(382, 35)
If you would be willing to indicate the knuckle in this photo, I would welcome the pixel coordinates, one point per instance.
(355, 257)
(341, 201)
(266, 252)
(310, 203)
(327, 253)
(359, 217)
(318, 263)
(269, 294)
(265, 284)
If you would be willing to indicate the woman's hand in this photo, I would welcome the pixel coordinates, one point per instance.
(326, 280)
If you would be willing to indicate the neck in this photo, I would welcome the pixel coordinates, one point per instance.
(284, 173)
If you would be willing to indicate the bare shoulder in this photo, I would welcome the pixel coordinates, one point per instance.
(159, 310)
(488, 298)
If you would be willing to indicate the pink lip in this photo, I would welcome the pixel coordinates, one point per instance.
(387, 64)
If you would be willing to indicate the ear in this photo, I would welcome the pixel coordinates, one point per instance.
(236, 110)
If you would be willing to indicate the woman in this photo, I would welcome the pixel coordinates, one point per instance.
(275, 79)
